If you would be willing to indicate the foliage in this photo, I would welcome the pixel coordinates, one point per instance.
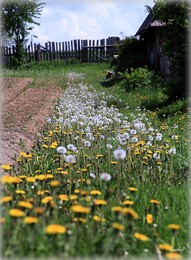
(174, 15)
(180, 105)
(17, 18)
(132, 54)
(136, 78)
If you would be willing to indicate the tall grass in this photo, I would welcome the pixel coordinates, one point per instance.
(104, 201)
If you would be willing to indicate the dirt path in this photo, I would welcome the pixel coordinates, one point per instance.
(24, 113)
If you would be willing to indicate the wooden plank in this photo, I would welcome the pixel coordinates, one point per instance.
(56, 51)
(75, 48)
(89, 52)
(62, 57)
(50, 51)
(79, 50)
(46, 54)
(97, 51)
(66, 51)
(53, 50)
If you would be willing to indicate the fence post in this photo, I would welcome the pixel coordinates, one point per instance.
(37, 53)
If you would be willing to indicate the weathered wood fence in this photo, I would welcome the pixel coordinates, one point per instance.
(82, 50)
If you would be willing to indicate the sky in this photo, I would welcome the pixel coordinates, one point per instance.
(66, 20)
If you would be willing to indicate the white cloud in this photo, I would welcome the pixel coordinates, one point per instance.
(84, 19)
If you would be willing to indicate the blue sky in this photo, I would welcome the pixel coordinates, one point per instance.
(65, 20)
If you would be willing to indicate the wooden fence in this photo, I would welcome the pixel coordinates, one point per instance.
(82, 50)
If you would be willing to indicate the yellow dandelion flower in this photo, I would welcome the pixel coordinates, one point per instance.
(40, 177)
(80, 209)
(6, 167)
(130, 212)
(165, 247)
(158, 163)
(64, 172)
(117, 209)
(141, 236)
(10, 179)
(53, 229)
(47, 199)
(20, 191)
(30, 179)
(40, 192)
(54, 145)
(23, 154)
(63, 197)
(99, 156)
(83, 192)
(25, 204)
(49, 176)
(157, 202)
(45, 146)
(95, 192)
(73, 197)
(2, 220)
(114, 163)
(118, 226)
(22, 176)
(127, 197)
(173, 256)
(77, 191)
(149, 218)
(173, 226)
(16, 213)
(79, 219)
(98, 218)
(128, 202)
(54, 183)
(39, 210)
(132, 189)
(5, 199)
(100, 202)
(30, 220)
(87, 198)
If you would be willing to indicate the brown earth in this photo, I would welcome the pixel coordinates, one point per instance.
(24, 113)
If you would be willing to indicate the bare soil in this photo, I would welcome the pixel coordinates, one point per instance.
(24, 113)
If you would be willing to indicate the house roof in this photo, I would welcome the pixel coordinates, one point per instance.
(146, 24)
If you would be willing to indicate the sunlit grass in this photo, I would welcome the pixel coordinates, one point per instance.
(76, 194)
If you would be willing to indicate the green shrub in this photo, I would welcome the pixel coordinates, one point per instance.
(180, 105)
(136, 78)
(131, 54)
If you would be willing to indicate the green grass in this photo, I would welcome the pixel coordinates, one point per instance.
(164, 180)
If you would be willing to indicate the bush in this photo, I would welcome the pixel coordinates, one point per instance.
(136, 78)
(132, 54)
(180, 105)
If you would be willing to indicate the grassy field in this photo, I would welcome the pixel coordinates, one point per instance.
(105, 178)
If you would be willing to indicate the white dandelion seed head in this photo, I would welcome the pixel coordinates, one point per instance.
(109, 146)
(172, 150)
(105, 176)
(87, 144)
(156, 156)
(70, 158)
(119, 154)
(92, 175)
(61, 149)
(134, 139)
(71, 147)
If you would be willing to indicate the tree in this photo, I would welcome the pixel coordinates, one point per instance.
(174, 15)
(17, 18)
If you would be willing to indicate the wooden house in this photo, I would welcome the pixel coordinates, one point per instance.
(153, 37)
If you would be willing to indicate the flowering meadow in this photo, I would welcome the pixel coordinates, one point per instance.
(98, 182)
